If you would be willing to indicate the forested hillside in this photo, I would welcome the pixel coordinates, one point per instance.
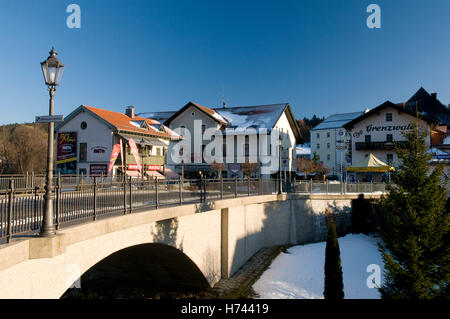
(23, 148)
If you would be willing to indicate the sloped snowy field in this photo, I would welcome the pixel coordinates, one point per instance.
(300, 273)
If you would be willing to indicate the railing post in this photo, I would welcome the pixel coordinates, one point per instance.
(10, 210)
(260, 190)
(131, 194)
(204, 189)
(326, 186)
(371, 187)
(180, 186)
(221, 186)
(32, 180)
(124, 182)
(95, 198)
(295, 182)
(58, 199)
(156, 193)
(35, 204)
(357, 186)
(248, 184)
(311, 186)
(235, 186)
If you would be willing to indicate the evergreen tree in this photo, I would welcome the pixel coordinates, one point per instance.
(334, 285)
(415, 227)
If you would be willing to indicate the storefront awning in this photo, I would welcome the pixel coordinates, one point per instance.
(143, 140)
(370, 164)
(155, 174)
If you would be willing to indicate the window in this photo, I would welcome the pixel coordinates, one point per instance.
(389, 158)
(328, 145)
(83, 125)
(203, 128)
(389, 137)
(367, 155)
(367, 138)
(82, 171)
(328, 134)
(318, 135)
(181, 151)
(388, 117)
(158, 151)
(328, 157)
(318, 146)
(83, 152)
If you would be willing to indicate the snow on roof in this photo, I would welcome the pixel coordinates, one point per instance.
(302, 150)
(245, 117)
(337, 120)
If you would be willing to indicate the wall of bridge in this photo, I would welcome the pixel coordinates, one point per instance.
(219, 237)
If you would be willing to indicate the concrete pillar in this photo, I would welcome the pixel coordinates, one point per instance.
(224, 269)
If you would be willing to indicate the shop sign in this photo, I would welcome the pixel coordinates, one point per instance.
(134, 167)
(98, 169)
(154, 167)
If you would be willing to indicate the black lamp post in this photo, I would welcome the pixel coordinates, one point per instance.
(52, 70)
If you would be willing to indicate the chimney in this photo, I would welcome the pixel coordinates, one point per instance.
(130, 111)
(434, 96)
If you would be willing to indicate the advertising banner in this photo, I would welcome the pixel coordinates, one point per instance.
(154, 167)
(135, 152)
(66, 152)
(115, 152)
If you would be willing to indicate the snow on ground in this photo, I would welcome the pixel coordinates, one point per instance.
(299, 274)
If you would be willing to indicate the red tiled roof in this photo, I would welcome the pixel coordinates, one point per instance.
(122, 122)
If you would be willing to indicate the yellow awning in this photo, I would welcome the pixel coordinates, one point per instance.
(370, 164)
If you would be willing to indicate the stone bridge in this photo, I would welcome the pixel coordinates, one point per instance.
(209, 241)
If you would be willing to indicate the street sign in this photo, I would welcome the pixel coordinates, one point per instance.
(49, 118)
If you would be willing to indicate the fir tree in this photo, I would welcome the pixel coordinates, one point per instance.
(415, 227)
(334, 285)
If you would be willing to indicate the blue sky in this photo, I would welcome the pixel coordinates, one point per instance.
(157, 55)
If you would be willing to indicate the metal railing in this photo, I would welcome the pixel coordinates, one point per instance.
(22, 208)
(327, 187)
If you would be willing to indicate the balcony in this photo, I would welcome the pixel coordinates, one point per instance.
(383, 146)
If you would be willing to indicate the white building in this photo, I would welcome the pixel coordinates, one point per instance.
(235, 123)
(376, 131)
(330, 142)
(86, 138)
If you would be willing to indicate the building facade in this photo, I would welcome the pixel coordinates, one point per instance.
(86, 138)
(377, 131)
(239, 126)
(331, 142)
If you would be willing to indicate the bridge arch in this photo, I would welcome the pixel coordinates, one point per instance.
(142, 270)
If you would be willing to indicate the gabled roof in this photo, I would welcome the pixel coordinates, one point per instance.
(428, 104)
(209, 112)
(240, 117)
(336, 120)
(119, 122)
(386, 104)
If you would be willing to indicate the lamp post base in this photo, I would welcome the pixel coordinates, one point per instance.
(47, 231)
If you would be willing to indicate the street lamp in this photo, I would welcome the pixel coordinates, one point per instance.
(52, 70)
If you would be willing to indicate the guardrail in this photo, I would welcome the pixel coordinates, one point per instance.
(22, 208)
(337, 187)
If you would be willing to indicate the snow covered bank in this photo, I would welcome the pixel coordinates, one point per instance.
(300, 273)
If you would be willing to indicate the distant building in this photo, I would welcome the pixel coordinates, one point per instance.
(303, 151)
(86, 137)
(428, 104)
(234, 121)
(376, 131)
(330, 141)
